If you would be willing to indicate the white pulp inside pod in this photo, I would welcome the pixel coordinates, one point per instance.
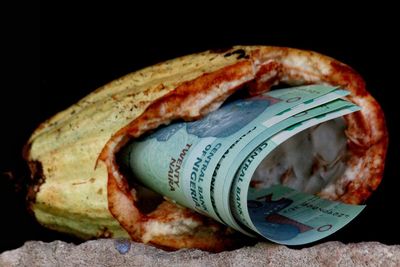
(308, 161)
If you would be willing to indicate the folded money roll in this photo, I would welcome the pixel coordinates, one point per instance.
(77, 183)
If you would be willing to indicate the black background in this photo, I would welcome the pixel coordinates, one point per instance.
(66, 51)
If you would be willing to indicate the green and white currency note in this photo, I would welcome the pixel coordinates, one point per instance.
(281, 214)
(178, 160)
(225, 170)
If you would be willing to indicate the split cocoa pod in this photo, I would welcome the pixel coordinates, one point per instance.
(78, 186)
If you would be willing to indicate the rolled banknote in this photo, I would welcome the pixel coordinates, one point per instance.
(281, 214)
(195, 163)
(193, 149)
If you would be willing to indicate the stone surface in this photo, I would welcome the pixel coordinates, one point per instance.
(107, 252)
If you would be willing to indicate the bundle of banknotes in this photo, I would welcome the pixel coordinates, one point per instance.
(210, 165)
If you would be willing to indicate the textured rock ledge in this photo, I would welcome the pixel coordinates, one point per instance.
(108, 252)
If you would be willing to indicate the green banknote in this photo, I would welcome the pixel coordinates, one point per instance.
(178, 160)
(225, 170)
(281, 214)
